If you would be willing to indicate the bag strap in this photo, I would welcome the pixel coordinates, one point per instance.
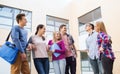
(9, 35)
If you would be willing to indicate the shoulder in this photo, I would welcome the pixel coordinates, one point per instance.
(15, 27)
(61, 41)
(95, 32)
(68, 35)
(50, 42)
(33, 36)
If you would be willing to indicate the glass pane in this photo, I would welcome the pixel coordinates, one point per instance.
(49, 36)
(82, 28)
(5, 21)
(16, 11)
(50, 22)
(59, 23)
(29, 17)
(7, 12)
(5, 26)
(56, 28)
(8, 16)
(50, 28)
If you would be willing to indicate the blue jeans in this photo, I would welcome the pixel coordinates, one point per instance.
(42, 65)
(96, 66)
(59, 66)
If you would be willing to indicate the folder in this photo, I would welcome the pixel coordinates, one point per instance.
(55, 47)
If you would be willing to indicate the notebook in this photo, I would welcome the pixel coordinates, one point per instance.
(55, 47)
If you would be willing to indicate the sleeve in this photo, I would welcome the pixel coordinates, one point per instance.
(49, 43)
(72, 40)
(99, 40)
(29, 41)
(15, 37)
(63, 49)
(87, 47)
(105, 40)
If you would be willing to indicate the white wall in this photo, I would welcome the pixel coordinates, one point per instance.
(110, 14)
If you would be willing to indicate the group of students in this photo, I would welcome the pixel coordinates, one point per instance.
(99, 48)
(64, 63)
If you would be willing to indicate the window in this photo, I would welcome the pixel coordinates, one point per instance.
(53, 24)
(8, 17)
(90, 17)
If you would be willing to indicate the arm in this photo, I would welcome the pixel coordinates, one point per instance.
(103, 39)
(87, 48)
(15, 37)
(30, 44)
(73, 46)
(99, 40)
(62, 46)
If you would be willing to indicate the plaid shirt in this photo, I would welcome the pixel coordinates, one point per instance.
(104, 42)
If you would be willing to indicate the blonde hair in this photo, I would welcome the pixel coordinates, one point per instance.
(101, 26)
(54, 38)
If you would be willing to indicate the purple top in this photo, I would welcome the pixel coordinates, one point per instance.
(62, 51)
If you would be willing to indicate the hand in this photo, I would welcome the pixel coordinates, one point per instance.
(76, 53)
(23, 56)
(49, 46)
(101, 49)
(31, 46)
(52, 51)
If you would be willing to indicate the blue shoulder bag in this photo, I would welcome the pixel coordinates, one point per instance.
(8, 51)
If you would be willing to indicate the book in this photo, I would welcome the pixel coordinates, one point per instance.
(55, 47)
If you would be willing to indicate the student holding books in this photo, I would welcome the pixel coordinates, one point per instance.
(57, 47)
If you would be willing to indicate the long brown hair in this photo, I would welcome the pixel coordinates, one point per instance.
(101, 26)
(40, 26)
(54, 38)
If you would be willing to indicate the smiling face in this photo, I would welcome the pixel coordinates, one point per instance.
(97, 29)
(63, 29)
(57, 36)
(42, 30)
(88, 27)
(23, 21)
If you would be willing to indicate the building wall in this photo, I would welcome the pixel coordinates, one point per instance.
(39, 8)
(71, 10)
(110, 15)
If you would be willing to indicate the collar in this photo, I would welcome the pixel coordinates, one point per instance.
(91, 33)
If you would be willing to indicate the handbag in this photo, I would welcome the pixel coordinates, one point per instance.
(8, 51)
